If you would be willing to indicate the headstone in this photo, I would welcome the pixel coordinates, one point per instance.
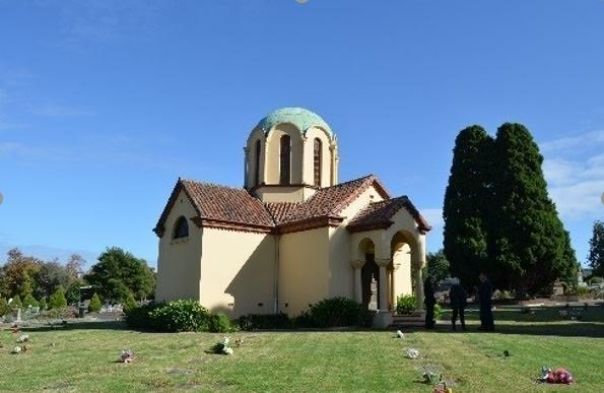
(18, 315)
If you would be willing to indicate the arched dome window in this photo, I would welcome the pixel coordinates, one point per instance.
(317, 161)
(285, 160)
(257, 163)
(181, 228)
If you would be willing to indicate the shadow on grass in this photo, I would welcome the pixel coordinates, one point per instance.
(92, 325)
(563, 329)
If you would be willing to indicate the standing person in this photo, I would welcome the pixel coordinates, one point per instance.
(458, 297)
(485, 293)
(429, 301)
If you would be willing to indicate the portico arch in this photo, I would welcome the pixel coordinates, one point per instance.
(405, 277)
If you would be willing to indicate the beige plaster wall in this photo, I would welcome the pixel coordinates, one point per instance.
(326, 157)
(178, 265)
(273, 154)
(402, 275)
(281, 194)
(237, 272)
(303, 269)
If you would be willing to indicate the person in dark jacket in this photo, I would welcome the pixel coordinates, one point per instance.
(485, 293)
(429, 301)
(458, 297)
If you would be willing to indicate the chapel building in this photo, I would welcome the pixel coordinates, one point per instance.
(293, 235)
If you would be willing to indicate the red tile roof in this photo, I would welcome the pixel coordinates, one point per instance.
(379, 214)
(231, 208)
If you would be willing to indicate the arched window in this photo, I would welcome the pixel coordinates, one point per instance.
(181, 228)
(317, 161)
(285, 160)
(257, 163)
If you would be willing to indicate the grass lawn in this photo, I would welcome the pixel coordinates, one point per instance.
(81, 358)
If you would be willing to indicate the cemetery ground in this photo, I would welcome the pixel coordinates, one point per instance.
(82, 357)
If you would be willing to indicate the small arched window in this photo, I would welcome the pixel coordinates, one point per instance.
(317, 161)
(181, 228)
(257, 163)
(285, 160)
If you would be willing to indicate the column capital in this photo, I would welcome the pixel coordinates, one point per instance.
(357, 263)
(383, 261)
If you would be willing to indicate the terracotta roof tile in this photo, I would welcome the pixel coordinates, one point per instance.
(237, 209)
(379, 214)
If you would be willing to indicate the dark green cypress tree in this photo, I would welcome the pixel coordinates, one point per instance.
(595, 259)
(466, 199)
(528, 241)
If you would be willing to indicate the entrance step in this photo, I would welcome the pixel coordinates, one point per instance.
(415, 319)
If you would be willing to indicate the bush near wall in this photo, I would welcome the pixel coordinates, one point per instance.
(175, 316)
(265, 321)
(337, 312)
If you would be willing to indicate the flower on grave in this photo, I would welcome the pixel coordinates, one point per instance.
(412, 353)
(127, 356)
(228, 350)
(16, 350)
(23, 338)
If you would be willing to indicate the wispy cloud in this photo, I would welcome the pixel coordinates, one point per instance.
(54, 110)
(574, 170)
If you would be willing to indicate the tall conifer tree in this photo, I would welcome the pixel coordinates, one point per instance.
(529, 243)
(465, 229)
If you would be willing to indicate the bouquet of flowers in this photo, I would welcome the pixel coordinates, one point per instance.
(559, 375)
(223, 347)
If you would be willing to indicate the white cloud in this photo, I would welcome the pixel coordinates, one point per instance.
(574, 170)
(53, 110)
(575, 141)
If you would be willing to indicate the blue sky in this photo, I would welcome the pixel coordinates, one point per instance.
(103, 104)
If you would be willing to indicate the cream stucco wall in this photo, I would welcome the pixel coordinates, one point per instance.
(237, 272)
(178, 264)
(303, 269)
(273, 154)
(326, 157)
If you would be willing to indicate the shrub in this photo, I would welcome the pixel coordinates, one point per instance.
(303, 320)
(62, 313)
(95, 304)
(4, 307)
(130, 302)
(220, 323)
(176, 316)
(43, 305)
(438, 311)
(57, 299)
(30, 300)
(264, 321)
(16, 303)
(337, 311)
(405, 304)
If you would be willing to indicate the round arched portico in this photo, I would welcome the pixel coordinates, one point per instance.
(397, 251)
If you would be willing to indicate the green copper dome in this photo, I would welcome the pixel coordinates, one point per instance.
(302, 118)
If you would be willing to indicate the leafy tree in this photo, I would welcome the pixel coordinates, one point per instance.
(438, 265)
(57, 299)
(74, 267)
(73, 292)
(595, 258)
(95, 304)
(4, 307)
(466, 197)
(528, 241)
(51, 276)
(30, 300)
(16, 303)
(17, 274)
(119, 273)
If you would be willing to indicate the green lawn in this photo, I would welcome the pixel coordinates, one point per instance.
(82, 358)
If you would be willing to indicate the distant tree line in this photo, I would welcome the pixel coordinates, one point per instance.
(117, 277)
(499, 218)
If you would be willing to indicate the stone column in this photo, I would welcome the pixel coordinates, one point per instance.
(357, 265)
(383, 317)
(420, 263)
(395, 291)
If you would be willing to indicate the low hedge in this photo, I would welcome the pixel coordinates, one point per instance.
(175, 316)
